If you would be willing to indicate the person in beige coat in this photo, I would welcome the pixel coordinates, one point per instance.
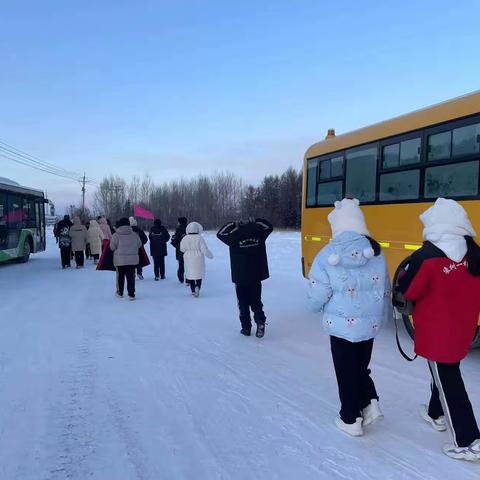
(194, 251)
(78, 234)
(125, 244)
(94, 238)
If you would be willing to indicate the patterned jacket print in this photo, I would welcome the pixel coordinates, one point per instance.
(351, 287)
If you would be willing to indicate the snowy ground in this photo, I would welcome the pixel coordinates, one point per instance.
(93, 387)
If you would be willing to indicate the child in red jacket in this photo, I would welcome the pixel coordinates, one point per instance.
(443, 279)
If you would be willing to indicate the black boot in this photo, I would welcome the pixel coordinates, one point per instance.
(245, 332)
(260, 330)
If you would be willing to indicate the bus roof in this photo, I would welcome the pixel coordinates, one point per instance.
(441, 112)
(10, 186)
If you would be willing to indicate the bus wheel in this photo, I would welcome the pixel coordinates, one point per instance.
(27, 250)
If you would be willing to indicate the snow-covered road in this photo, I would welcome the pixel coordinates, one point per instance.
(92, 387)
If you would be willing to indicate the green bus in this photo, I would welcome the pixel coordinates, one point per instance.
(22, 221)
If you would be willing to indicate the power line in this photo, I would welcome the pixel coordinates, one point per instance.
(31, 158)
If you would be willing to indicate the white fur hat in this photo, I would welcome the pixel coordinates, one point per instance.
(446, 216)
(133, 222)
(347, 216)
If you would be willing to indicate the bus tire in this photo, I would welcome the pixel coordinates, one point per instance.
(27, 250)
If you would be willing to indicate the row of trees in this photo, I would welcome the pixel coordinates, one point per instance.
(211, 200)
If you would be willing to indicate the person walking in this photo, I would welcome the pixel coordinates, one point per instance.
(177, 238)
(78, 233)
(105, 229)
(443, 279)
(125, 244)
(158, 237)
(350, 285)
(64, 241)
(249, 267)
(94, 239)
(194, 249)
(143, 238)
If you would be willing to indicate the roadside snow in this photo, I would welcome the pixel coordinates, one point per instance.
(93, 387)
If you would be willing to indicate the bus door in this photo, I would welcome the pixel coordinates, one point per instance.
(40, 223)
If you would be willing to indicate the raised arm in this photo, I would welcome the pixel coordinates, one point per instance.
(266, 228)
(225, 234)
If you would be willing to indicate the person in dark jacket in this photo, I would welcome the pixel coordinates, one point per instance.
(177, 238)
(64, 240)
(249, 266)
(158, 237)
(112, 230)
(443, 279)
(143, 238)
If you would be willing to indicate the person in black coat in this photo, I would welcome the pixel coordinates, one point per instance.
(143, 238)
(158, 237)
(62, 232)
(249, 266)
(180, 232)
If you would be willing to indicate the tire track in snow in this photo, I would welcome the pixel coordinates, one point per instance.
(71, 444)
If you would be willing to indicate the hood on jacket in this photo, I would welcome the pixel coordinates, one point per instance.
(347, 217)
(446, 224)
(76, 221)
(194, 227)
(94, 224)
(103, 221)
(124, 230)
(350, 250)
(133, 222)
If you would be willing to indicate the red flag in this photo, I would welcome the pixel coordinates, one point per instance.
(141, 212)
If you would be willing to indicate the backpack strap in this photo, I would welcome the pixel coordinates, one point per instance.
(404, 355)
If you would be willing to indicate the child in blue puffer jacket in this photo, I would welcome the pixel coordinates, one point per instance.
(349, 283)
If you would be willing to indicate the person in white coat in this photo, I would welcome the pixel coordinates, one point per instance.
(194, 249)
(94, 239)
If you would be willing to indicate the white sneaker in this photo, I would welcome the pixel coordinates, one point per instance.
(470, 453)
(371, 413)
(197, 292)
(118, 295)
(140, 276)
(353, 429)
(439, 424)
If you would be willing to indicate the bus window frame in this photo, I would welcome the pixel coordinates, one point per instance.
(423, 133)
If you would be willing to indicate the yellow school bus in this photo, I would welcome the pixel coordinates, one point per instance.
(396, 168)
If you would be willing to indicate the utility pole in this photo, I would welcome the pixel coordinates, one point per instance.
(83, 194)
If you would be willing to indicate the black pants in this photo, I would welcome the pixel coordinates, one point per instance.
(250, 297)
(128, 272)
(194, 283)
(159, 266)
(450, 398)
(181, 269)
(355, 386)
(95, 256)
(80, 258)
(88, 252)
(139, 270)
(66, 256)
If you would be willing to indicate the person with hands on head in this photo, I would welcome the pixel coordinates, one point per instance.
(249, 267)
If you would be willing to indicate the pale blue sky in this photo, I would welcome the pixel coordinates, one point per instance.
(182, 87)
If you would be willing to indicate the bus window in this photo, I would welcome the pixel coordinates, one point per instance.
(400, 186)
(362, 173)
(455, 180)
(15, 212)
(410, 151)
(466, 140)
(439, 146)
(311, 182)
(329, 192)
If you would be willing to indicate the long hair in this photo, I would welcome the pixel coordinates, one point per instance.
(377, 249)
(473, 256)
